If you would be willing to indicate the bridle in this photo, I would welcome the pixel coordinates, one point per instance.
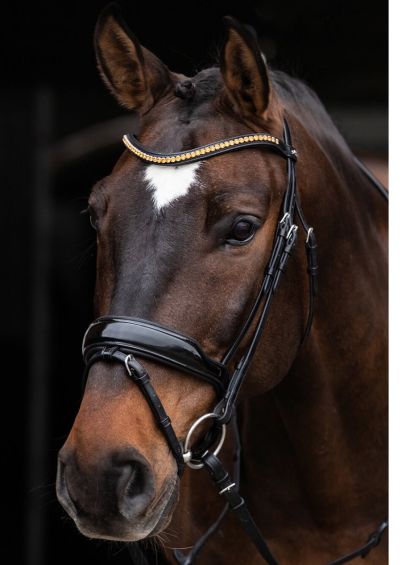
(124, 339)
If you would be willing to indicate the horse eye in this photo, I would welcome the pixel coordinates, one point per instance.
(242, 231)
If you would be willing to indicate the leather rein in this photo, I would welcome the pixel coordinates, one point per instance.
(124, 339)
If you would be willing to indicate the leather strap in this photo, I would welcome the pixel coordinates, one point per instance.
(373, 541)
(141, 378)
(285, 241)
(237, 504)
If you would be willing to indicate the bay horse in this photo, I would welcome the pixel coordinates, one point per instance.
(185, 236)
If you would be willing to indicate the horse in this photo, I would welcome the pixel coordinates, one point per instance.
(184, 238)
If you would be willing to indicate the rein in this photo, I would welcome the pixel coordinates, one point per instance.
(122, 339)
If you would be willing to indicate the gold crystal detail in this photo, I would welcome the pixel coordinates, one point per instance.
(201, 151)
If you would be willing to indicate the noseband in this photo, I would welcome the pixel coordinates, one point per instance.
(124, 340)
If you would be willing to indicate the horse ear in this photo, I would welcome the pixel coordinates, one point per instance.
(244, 69)
(135, 76)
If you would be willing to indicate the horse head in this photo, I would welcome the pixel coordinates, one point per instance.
(185, 247)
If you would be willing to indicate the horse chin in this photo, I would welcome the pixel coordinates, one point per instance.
(155, 520)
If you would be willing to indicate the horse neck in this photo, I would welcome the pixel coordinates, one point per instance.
(317, 441)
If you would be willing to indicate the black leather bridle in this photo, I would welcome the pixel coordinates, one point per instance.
(124, 339)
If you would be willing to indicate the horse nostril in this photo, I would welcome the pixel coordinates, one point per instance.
(131, 480)
(124, 477)
(135, 488)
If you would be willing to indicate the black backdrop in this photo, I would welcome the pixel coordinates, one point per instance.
(59, 133)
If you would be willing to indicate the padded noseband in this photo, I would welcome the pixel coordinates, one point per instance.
(142, 338)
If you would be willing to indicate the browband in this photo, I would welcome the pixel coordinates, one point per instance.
(210, 150)
(152, 341)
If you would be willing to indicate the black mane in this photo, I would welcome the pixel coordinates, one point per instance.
(307, 107)
(300, 100)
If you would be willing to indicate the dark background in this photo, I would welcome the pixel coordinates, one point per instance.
(59, 133)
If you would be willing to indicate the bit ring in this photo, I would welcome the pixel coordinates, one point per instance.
(187, 452)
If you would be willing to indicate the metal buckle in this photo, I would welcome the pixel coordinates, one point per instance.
(284, 218)
(187, 452)
(227, 488)
(126, 363)
(292, 232)
(309, 232)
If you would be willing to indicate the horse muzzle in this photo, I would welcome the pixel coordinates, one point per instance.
(116, 499)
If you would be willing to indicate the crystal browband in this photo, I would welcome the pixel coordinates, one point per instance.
(210, 150)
